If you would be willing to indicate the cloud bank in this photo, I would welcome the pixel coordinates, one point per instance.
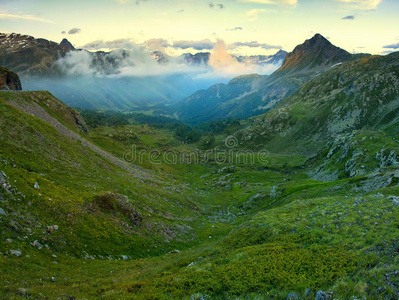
(142, 61)
(363, 4)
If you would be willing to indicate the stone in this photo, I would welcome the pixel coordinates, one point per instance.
(16, 253)
(37, 244)
(293, 296)
(36, 186)
(23, 292)
(9, 80)
(395, 200)
(321, 295)
(2, 212)
(308, 293)
(9, 241)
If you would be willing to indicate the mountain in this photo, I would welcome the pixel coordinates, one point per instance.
(28, 56)
(200, 58)
(362, 94)
(260, 93)
(276, 59)
(66, 44)
(9, 80)
(315, 54)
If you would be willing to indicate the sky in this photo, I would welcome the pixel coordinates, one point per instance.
(247, 27)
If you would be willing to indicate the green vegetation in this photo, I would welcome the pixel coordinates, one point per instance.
(144, 207)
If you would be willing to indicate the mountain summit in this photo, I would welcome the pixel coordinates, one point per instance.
(315, 53)
(67, 44)
(257, 94)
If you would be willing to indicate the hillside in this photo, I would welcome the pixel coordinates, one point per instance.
(261, 93)
(358, 95)
(85, 218)
(52, 174)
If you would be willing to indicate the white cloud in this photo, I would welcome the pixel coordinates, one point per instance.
(274, 2)
(197, 45)
(253, 44)
(363, 4)
(254, 13)
(6, 15)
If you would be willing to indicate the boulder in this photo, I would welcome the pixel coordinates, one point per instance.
(9, 80)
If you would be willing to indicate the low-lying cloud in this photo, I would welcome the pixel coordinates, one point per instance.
(122, 79)
(140, 60)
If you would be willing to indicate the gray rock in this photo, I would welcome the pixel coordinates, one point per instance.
(308, 293)
(36, 186)
(293, 296)
(321, 295)
(17, 253)
(2, 212)
(37, 244)
(23, 292)
(9, 241)
(198, 297)
(395, 200)
(125, 257)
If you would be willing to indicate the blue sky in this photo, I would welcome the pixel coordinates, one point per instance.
(175, 26)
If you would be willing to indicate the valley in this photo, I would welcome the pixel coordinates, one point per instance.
(281, 186)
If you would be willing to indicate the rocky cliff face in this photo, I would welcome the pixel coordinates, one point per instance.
(9, 80)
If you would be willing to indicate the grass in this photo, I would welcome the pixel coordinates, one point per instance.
(226, 230)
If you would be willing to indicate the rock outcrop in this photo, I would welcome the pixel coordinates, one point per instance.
(9, 80)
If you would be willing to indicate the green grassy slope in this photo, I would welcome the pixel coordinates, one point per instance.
(230, 229)
(359, 95)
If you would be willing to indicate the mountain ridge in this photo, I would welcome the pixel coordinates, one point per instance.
(263, 92)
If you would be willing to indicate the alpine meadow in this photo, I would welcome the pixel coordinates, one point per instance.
(176, 150)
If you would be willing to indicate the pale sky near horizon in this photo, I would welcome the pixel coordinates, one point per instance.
(175, 26)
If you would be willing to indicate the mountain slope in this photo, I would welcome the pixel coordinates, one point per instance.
(263, 92)
(76, 224)
(52, 174)
(358, 95)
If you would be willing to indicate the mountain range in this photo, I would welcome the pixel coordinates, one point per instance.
(136, 77)
(250, 95)
(299, 202)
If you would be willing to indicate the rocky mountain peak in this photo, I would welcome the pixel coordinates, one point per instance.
(316, 42)
(314, 54)
(66, 44)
